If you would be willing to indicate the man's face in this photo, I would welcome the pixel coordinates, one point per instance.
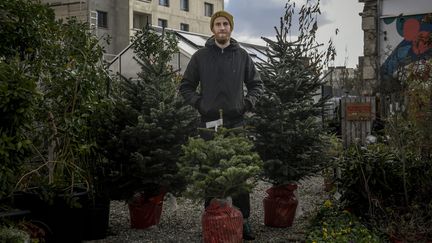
(222, 30)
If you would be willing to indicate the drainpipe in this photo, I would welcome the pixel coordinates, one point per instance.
(378, 40)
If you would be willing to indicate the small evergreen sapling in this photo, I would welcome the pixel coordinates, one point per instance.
(220, 167)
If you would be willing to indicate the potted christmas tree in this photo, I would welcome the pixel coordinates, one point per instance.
(289, 135)
(217, 169)
(142, 135)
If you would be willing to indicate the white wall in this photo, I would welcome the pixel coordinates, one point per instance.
(406, 7)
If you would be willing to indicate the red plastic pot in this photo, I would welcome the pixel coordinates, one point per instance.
(280, 206)
(145, 212)
(222, 223)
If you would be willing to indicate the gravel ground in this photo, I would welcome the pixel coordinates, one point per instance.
(181, 220)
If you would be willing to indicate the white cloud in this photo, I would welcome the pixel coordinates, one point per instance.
(344, 16)
(226, 3)
(256, 18)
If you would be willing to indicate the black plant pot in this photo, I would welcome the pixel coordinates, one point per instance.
(96, 220)
(67, 224)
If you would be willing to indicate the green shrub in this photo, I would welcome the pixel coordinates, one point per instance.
(335, 226)
(373, 178)
(13, 235)
(17, 98)
(394, 196)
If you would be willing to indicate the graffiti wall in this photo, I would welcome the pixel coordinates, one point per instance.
(404, 39)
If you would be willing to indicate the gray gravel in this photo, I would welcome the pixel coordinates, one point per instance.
(181, 219)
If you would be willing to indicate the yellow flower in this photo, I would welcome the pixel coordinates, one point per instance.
(328, 204)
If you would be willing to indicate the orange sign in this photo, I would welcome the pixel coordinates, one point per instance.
(358, 111)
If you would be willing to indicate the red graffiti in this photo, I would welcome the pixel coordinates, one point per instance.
(419, 39)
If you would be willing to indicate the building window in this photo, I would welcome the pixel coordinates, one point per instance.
(184, 5)
(164, 3)
(141, 20)
(102, 19)
(163, 23)
(208, 9)
(184, 27)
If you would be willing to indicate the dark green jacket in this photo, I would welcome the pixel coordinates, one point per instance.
(222, 75)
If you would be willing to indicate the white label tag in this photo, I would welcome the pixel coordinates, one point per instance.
(215, 124)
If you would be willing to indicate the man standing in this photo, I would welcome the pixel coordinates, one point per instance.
(222, 68)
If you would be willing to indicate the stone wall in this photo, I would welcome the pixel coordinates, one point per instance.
(369, 63)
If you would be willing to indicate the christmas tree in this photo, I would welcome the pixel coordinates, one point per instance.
(289, 133)
(150, 121)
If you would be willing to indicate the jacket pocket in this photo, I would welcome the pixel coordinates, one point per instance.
(200, 107)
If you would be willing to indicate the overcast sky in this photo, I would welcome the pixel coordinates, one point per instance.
(256, 18)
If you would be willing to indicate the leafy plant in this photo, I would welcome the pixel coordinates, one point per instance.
(368, 177)
(64, 63)
(334, 152)
(13, 235)
(289, 135)
(17, 98)
(334, 225)
(411, 224)
(221, 167)
(25, 24)
(143, 133)
(17, 85)
(377, 185)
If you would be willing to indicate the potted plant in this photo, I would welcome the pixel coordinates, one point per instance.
(218, 169)
(142, 134)
(65, 63)
(289, 135)
(17, 95)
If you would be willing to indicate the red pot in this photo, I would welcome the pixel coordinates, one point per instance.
(222, 223)
(145, 212)
(280, 206)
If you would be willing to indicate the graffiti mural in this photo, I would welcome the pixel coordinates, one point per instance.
(405, 39)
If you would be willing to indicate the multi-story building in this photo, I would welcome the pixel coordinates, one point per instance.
(119, 19)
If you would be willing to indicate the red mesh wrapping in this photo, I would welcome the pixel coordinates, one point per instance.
(222, 223)
(145, 212)
(280, 206)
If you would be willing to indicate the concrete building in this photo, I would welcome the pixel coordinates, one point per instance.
(395, 34)
(119, 19)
